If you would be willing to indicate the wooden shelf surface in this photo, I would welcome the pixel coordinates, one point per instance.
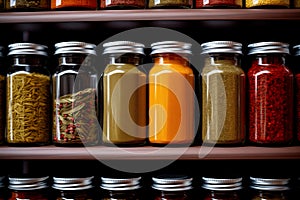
(150, 153)
(150, 14)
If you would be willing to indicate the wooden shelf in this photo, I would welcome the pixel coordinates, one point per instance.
(149, 153)
(150, 14)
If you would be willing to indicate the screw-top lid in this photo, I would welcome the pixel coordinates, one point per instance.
(120, 184)
(222, 184)
(26, 183)
(296, 49)
(122, 47)
(270, 184)
(172, 182)
(75, 47)
(27, 49)
(69, 183)
(171, 47)
(268, 47)
(222, 47)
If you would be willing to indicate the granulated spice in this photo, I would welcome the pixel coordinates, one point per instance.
(219, 3)
(27, 5)
(124, 4)
(267, 3)
(73, 5)
(170, 4)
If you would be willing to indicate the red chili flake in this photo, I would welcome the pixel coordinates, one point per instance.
(270, 103)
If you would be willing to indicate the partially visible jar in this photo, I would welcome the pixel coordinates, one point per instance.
(74, 5)
(269, 189)
(74, 188)
(75, 96)
(218, 4)
(1, 5)
(270, 94)
(223, 94)
(170, 3)
(222, 188)
(296, 57)
(29, 188)
(267, 3)
(27, 5)
(28, 95)
(123, 4)
(2, 95)
(124, 94)
(120, 188)
(296, 4)
(172, 187)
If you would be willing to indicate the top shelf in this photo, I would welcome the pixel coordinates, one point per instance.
(150, 14)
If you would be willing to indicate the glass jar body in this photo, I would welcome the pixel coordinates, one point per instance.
(170, 4)
(222, 195)
(73, 5)
(124, 101)
(88, 194)
(296, 4)
(172, 117)
(41, 194)
(123, 4)
(297, 96)
(219, 3)
(269, 195)
(28, 101)
(120, 195)
(2, 99)
(27, 5)
(267, 4)
(75, 107)
(223, 100)
(270, 100)
(172, 195)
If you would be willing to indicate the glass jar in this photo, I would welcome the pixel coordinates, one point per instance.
(223, 93)
(267, 3)
(171, 77)
(269, 189)
(27, 5)
(2, 95)
(120, 188)
(123, 4)
(75, 96)
(28, 95)
(218, 4)
(172, 187)
(222, 188)
(170, 4)
(296, 4)
(73, 188)
(29, 188)
(296, 57)
(270, 94)
(124, 94)
(74, 5)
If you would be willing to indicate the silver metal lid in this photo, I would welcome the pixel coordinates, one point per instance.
(81, 183)
(296, 49)
(75, 47)
(19, 183)
(268, 47)
(120, 184)
(270, 184)
(171, 47)
(122, 47)
(221, 47)
(172, 183)
(27, 49)
(222, 184)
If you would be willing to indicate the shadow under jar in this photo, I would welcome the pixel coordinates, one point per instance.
(270, 94)
(75, 96)
(28, 95)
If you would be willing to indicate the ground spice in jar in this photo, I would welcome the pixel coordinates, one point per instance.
(267, 3)
(219, 3)
(223, 93)
(122, 4)
(270, 94)
(27, 5)
(297, 85)
(170, 4)
(296, 4)
(73, 5)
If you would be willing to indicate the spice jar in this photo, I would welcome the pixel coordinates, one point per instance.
(170, 4)
(2, 95)
(172, 187)
(30, 188)
(267, 3)
(28, 95)
(74, 5)
(218, 4)
(296, 4)
(123, 4)
(75, 96)
(75, 188)
(124, 94)
(120, 188)
(171, 77)
(296, 49)
(270, 94)
(27, 5)
(269, 189)
(222, 188)
(223, 93)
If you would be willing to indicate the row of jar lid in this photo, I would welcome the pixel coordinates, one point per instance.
(163, 182)
(122, 47)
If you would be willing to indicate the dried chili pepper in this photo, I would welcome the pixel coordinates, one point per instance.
(270, 94)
